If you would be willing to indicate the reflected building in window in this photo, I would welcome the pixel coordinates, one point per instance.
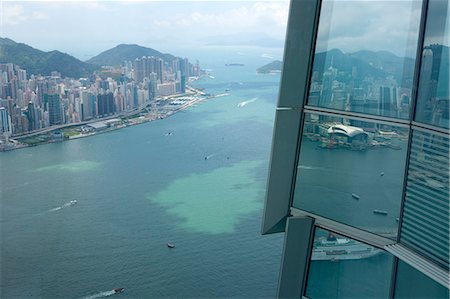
(359, 178)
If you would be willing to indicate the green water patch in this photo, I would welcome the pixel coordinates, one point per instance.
(216, 201)
(75, 166)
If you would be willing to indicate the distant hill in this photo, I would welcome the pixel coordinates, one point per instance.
(378, 65)
(274, 66)
(39, 62)
(365, 63)
(122, 52)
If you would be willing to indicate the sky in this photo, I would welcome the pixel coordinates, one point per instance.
(86, 28)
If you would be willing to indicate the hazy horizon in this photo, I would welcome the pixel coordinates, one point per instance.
(85, 29)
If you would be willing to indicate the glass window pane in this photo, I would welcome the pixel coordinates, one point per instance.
(352, 171)
(365, 56)
(424, 287)
(425, 225)
(344, 268)
(433, 95)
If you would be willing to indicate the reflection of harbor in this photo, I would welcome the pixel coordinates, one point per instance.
(334, 135)
(338, 248)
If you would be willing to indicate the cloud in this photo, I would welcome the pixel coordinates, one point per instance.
(37, 15)
(269, 17)
(370, 25)
(12, 14)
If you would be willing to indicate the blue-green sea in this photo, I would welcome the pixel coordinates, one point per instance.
(138, 189)
(201, 188)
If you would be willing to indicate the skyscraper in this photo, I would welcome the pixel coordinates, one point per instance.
(55, 110)
(5, 125)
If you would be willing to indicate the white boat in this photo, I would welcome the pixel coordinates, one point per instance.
(334, 249)
(355, 196)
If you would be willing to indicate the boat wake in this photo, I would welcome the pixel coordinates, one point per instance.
(210, 156)
(307, 167)
(242, 104)
(69, 204)
(101, 295)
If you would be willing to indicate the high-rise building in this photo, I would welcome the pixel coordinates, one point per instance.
(33, 121)
(5, 125)
(55, 109)
(362, 195)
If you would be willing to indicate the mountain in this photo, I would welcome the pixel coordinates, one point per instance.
(362, 64)
(273, 67)
(377, 65)
(122, 52)
(402, 68)
(39, 62)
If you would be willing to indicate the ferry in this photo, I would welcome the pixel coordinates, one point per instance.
(333, 248)
(380, 212)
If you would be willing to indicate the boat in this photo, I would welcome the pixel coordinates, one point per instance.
(73, 202)
(234, 64)
(118, 290)
(380, 212)
(334, 249)
(355, 196)
(382, 173)
(170, 245)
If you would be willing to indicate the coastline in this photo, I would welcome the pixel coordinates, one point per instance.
(161, 108)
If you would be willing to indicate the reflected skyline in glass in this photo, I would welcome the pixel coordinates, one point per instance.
(366, 66)
(433, 94)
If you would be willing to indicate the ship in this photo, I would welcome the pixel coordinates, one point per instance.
(334, 248)
(234, 64)
(380, 212)
(118, 290)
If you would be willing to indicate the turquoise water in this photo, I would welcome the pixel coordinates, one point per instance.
(138, 189)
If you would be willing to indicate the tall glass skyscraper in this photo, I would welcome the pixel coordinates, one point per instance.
(359, 177)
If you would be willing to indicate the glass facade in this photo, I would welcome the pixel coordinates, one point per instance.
(349, 165)
(433, 95)
(423, 287)
(351, 72)
(425, 224)
(372, 162)
(358, 270)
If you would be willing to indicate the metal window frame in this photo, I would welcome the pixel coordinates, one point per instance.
(296, 257)
(299, 50)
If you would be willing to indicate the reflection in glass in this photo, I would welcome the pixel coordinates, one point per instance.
(433, 94)
(352, 171)
(424, 287)
(425, 224)
(364, 57)
(343, 268)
